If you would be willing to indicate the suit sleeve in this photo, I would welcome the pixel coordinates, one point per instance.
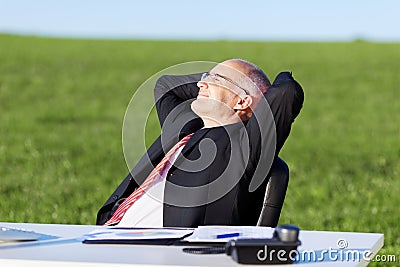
(172, 91)
(281, 105)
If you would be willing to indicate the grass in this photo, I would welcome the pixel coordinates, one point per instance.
(62, 104)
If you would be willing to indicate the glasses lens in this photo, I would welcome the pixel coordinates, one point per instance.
(204, 75)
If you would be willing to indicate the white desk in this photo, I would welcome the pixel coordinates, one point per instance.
(66, 249)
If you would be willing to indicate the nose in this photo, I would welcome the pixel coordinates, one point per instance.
(202, 85)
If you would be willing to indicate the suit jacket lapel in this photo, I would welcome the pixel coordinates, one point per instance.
(197, 136)
(149, 160)
(155, 153)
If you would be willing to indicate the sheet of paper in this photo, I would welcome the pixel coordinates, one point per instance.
(118, 233)
(8, 234)
(217, 233)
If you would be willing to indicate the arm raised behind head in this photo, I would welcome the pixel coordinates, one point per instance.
(172, 90)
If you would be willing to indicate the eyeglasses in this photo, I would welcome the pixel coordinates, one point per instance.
(216, 75)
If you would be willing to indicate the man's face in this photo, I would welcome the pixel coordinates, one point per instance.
(219, 93)
(214, 87)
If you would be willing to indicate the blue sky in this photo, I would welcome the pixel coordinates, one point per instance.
(292, 20)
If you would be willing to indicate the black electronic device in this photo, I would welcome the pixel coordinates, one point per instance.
(280, 249)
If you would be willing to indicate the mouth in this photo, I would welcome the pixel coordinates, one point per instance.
(202, 95)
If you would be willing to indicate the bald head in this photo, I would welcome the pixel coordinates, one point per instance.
(246, 75)
(254, 73)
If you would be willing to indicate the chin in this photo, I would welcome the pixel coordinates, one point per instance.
(194, 105)
(201, 106)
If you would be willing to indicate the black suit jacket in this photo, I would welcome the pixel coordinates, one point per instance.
(217, 179)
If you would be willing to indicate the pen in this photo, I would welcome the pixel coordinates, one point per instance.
(228, 235)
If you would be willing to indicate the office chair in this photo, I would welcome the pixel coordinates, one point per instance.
(274, 194)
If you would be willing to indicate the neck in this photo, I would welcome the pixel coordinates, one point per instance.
(211, 122)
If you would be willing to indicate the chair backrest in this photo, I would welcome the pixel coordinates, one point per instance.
(274, 194)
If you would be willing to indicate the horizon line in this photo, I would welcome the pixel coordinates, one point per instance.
(127, 37)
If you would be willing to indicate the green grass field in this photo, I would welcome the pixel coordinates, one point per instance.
(62, 104)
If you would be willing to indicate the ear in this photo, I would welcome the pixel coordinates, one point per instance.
(243, 102)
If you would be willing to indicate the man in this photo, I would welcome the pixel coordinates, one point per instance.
(227, 130)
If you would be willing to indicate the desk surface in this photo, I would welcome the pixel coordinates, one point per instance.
(64, 248)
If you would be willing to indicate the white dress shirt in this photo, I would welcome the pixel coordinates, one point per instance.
(147, 211)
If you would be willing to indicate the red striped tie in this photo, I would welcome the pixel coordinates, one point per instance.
(153, 177)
